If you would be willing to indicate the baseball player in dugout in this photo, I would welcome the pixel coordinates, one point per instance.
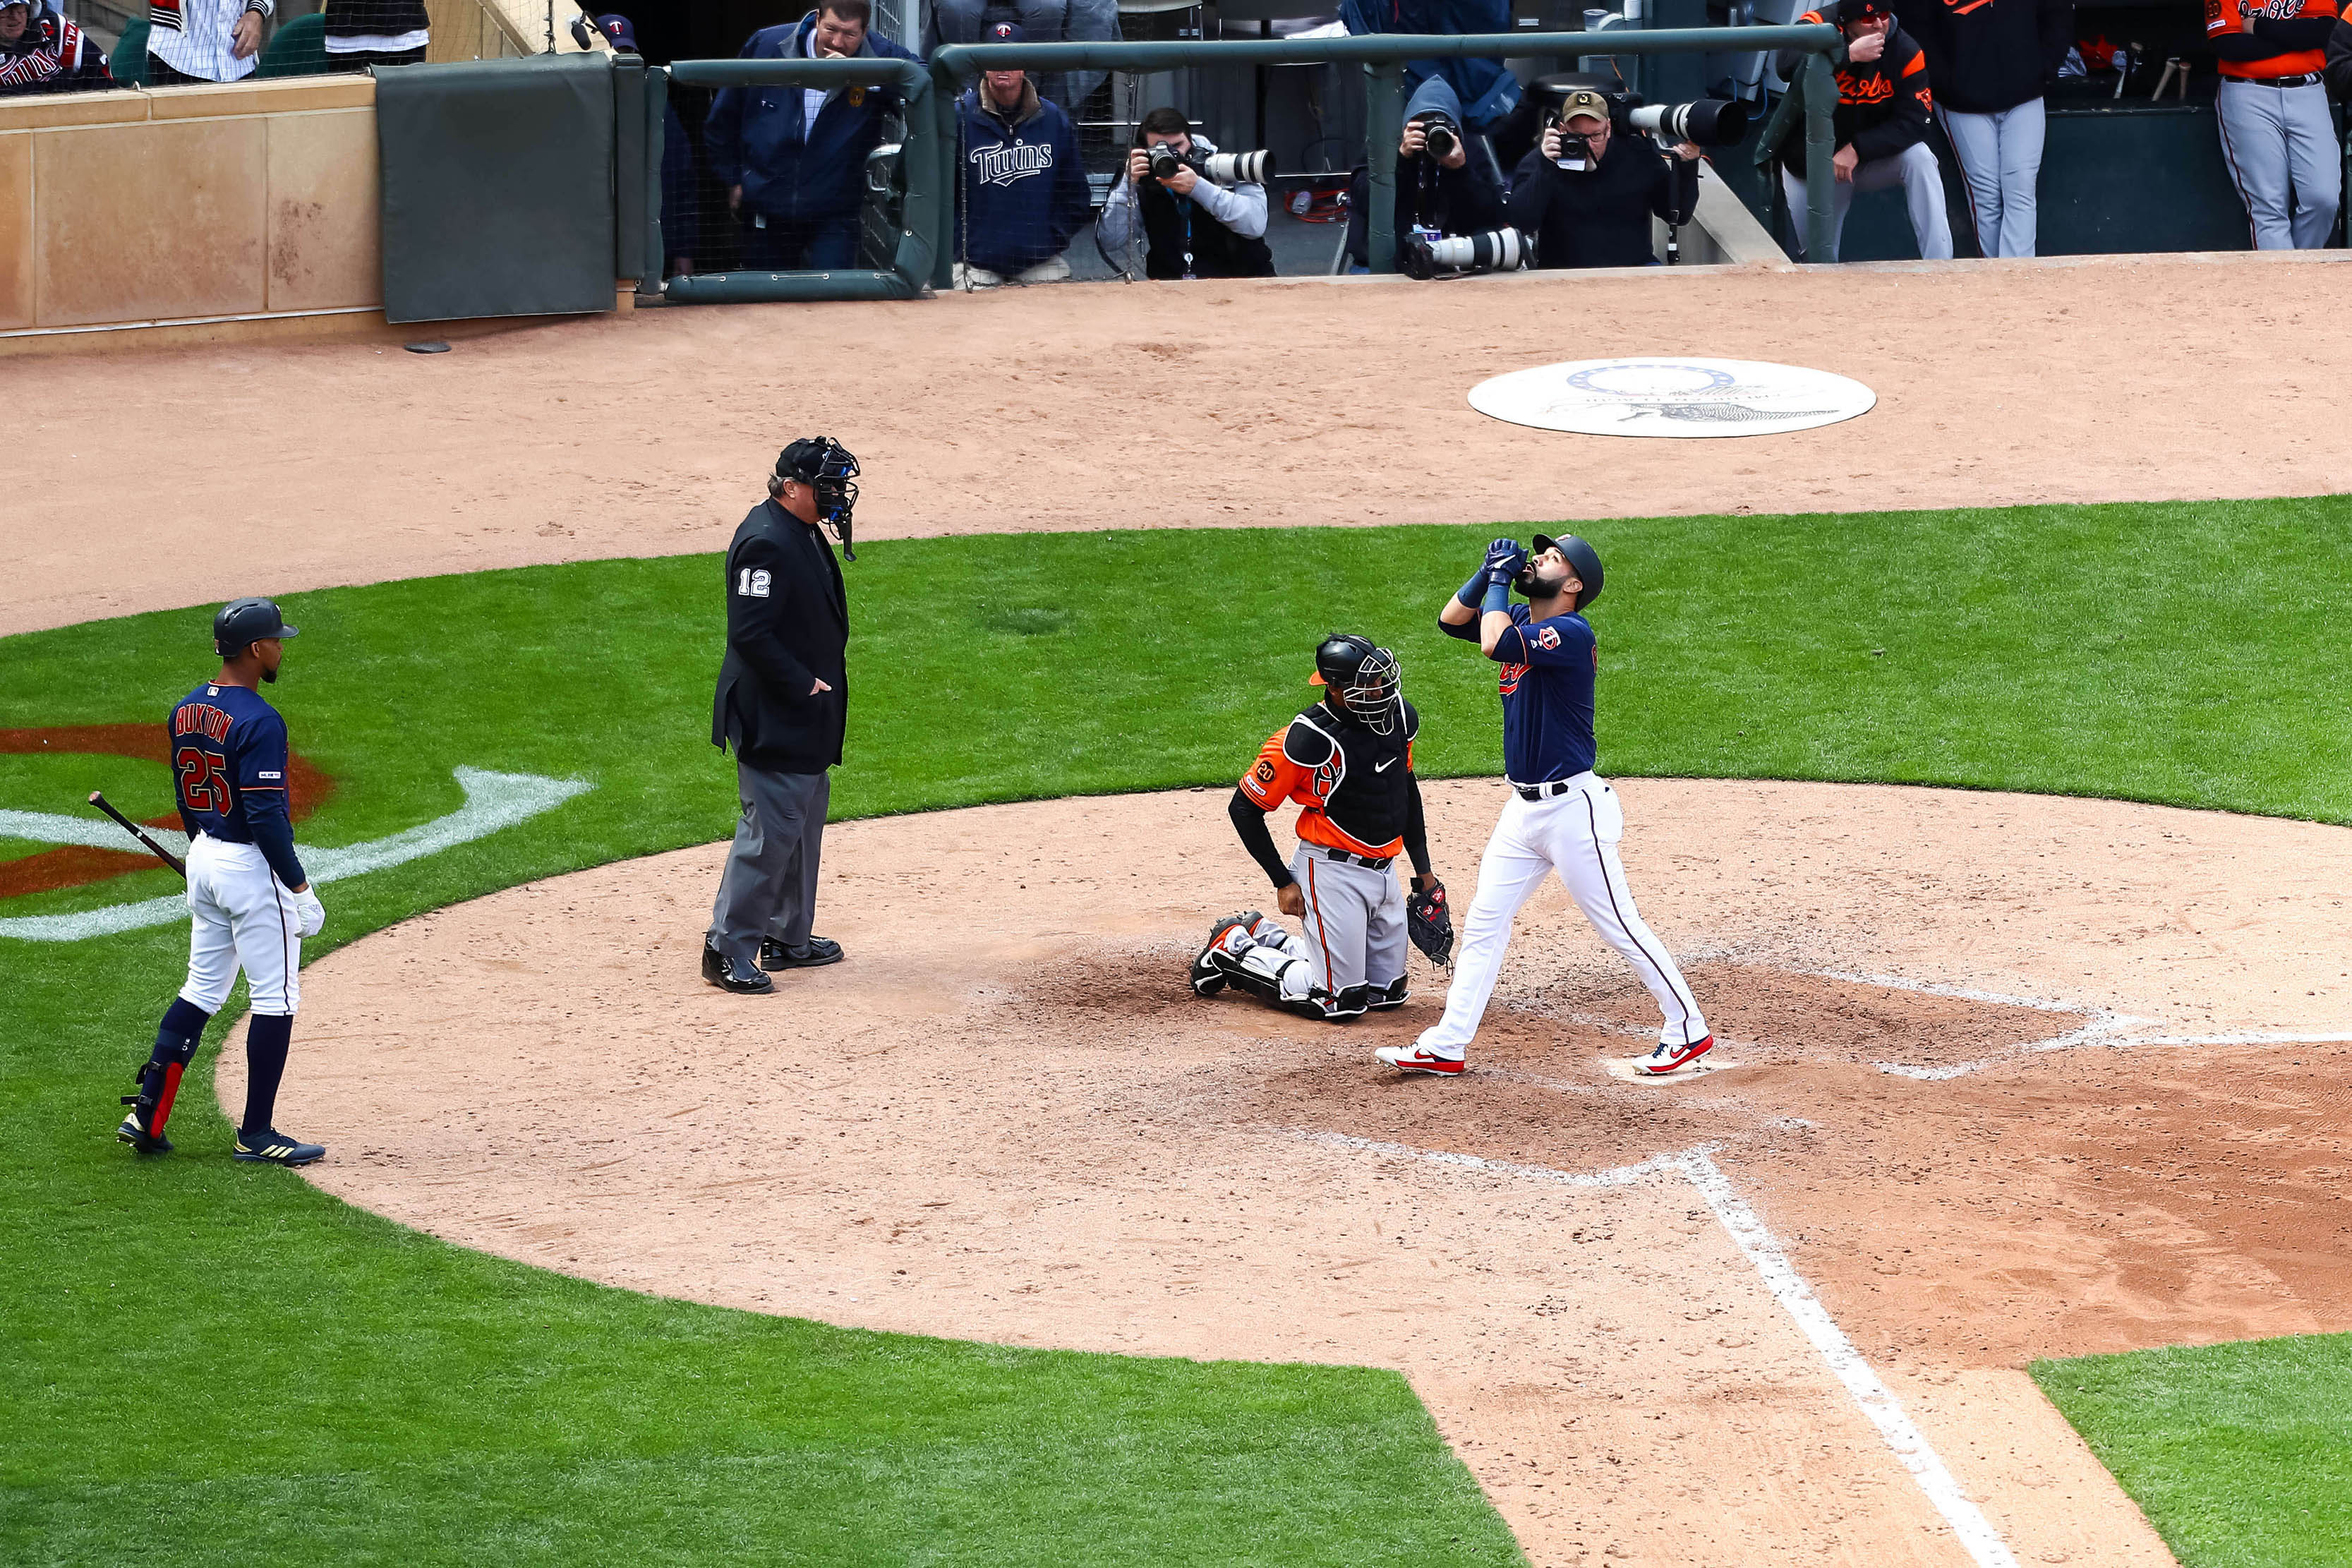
(1347, 761)
(781, 703)
(2278, 135)
(1562, 817)
(1883, 110)
(249, 903)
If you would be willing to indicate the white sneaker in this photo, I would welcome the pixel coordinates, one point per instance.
(1669, 1058)
(1414, 1058)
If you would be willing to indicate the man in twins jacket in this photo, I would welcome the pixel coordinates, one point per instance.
(1021, 193)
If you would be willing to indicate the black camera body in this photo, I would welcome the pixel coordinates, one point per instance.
(1166, 161)
(1439, 136)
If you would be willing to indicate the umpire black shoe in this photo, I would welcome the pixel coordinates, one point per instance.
(274, 1148)
(731, 974)
(820, 951)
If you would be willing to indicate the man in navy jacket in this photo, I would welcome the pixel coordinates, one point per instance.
(794, 158)
(1022, 194)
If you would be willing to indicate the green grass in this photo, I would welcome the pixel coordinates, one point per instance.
(203, 1358)
(2240, 1454)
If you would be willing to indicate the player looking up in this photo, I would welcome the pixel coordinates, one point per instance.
(249, 903)
(1562, 817)
(1349, 761)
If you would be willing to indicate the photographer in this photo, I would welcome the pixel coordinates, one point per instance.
(1588, 192)
(1195, 227)
(1880, 124)
(1441, 189)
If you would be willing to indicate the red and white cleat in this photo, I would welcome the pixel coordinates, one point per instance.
(1669, 1058)
(1413, 1058)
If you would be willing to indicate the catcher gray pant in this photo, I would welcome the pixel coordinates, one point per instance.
(2001, 155)
(769, 888)
(2280, 145)
(1915, 170)
(1354, 929)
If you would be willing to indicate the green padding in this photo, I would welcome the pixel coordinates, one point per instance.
(498, 187)
(297, 49)
(128, 64)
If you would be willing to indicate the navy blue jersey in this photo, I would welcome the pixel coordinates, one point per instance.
(228, 755)
(1547, 684)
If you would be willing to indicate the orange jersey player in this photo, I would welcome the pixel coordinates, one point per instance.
(2278, 134)
(1348, 761)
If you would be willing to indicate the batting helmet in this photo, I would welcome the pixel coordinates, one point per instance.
(1367, 678)
(244, 622)
(1582, 559)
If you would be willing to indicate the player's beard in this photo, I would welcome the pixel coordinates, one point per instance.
(268, 678)
(1540, 587)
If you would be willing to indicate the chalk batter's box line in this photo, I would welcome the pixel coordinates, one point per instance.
(1765, 1254)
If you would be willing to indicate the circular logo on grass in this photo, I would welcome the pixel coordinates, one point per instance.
(1672, 396)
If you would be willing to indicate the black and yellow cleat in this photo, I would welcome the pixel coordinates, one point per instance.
(134, 1133)
(274, 1148)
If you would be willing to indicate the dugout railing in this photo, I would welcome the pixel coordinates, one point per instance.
(925, 252)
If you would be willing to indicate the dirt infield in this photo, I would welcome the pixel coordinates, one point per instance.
(1007, 1119)
(1303, 400)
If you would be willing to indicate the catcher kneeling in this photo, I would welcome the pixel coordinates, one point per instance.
(1348, 762)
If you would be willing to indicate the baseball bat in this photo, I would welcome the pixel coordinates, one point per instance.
(98, 799)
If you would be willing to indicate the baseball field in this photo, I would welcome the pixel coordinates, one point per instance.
(2004, 834)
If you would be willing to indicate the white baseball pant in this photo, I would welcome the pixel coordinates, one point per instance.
(240, 916)
(2279, 144)
(2000, 156)
(1574, 835)
(1915, 170)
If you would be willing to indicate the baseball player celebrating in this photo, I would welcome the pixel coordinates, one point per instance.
(251, 904)
(1561, 815)
(1348, 762)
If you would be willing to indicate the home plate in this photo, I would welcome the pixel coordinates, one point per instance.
(1630, 1068)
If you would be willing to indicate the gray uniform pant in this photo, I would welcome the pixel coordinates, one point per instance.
(769, 888)
(2281, 147)
(1915, 170)
(1354, 930)
(2001, 155)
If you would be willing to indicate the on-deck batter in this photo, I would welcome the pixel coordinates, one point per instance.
(249, 903)
(1561, 815)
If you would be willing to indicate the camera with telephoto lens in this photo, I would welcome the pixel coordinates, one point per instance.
(1219, 168)
(1424, 254)
(1707, 122)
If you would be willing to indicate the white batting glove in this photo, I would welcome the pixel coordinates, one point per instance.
(309, 914)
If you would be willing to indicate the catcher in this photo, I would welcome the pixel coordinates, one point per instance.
(1349, 761)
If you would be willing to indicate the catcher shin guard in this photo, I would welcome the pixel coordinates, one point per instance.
(1233, 930)
(1392, 994)
(158, 1079)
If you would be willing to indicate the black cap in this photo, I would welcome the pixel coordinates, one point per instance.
(1581, 558)
(244, 622)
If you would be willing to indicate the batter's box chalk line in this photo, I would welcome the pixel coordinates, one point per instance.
(493, 801)
(1765, 1254)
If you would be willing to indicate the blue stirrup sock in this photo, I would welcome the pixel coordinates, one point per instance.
(265, 1040)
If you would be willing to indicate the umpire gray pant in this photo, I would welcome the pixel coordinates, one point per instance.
(2279, 144)
(769, 889)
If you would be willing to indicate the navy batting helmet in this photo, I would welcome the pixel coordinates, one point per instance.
(1582, 560)
(244, 622)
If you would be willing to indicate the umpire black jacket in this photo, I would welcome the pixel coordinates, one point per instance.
(787, 627)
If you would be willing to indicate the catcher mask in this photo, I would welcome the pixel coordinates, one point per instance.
(1368, 679)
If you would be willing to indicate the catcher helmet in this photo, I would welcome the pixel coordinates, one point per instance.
(244, 622)
(1367, 678)
(825, 465)
(1582, 559)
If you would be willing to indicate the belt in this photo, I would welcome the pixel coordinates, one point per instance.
(2309, 79)
(1543, 791)
(1367, 862)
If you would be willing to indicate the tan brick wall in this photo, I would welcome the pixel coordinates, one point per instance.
(188, 202)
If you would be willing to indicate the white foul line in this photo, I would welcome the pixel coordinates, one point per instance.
(1877, 1402)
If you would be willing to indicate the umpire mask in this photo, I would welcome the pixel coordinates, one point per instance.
(826, 466)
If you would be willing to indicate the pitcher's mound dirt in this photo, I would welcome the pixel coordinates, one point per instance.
(1006, 1117)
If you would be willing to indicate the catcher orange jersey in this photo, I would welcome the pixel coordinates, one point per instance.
(1357, 787)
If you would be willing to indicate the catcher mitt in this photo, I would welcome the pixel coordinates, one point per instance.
(1430, 923)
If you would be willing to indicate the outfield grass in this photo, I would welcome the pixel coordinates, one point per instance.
(205, 1359)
